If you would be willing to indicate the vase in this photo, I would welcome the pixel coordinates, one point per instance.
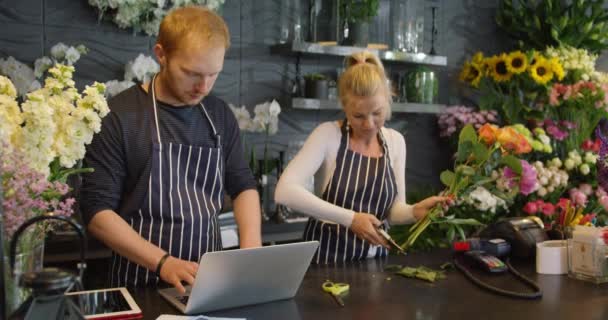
(316, 89)
(357, 34)
(421, 86)
(28, 258)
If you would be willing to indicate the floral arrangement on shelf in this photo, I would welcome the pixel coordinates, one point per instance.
(145, 15)
(266, 121)
(140, 70)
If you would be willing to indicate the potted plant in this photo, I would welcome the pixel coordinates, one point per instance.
(316, 86)
(355, 17)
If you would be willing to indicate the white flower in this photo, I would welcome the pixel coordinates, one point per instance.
(145, 15)
(266, 117)
(242, 117)
(58, 51)
(274, 109)
(20, 74)
(114, 87)
(41, 65)
(484, 200)
(72, 55)
(141, 69)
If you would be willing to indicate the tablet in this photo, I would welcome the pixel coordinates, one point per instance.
(114, 304)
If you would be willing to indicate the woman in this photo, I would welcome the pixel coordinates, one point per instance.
(359, 170)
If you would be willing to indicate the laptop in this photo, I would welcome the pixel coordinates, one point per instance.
(235, 278)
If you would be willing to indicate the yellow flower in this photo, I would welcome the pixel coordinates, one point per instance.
(478, 58)
(557, 68)
(511, 140)
(498, 68)
(517, 62)
(535, 57)
(541, 71)
(471, 73)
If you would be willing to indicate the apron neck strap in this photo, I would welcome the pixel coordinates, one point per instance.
(345, 128)
(152, 89)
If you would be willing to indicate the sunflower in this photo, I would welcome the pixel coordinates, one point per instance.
(557, 68)
(517, 62)
(535, 57)
(478, 58)
(498, 68)
(541, 71)
(471, 73)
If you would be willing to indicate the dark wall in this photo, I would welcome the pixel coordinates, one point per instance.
(29, 28)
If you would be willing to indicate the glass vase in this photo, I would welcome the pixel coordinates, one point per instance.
(29, 258)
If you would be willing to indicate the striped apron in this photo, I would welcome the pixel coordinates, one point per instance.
(179, 213)
(359, 183)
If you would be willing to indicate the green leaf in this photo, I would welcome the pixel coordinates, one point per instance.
(451, 234)
(464, 151)
(447, 178)
(467, 133)
(461, 232)
(466, 170)
(480, 152)
(512, 162)
(468, 222)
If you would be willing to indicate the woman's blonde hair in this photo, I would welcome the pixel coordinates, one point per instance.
(192, 25)
(364, 77)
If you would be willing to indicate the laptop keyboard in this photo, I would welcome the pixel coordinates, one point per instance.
(183, 299)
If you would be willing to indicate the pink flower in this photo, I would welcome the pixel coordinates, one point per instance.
(527, 181)
(586, 188)
(578, 197)
(556, 133)
(548, 209)
(28, 193)
(530, 208)
(599, 192)
(604, 202)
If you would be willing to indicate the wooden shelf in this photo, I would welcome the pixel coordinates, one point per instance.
(334, 50)
(316, 104)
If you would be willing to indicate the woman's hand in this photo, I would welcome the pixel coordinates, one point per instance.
(421, 209)
(365, 226)
(175, 270)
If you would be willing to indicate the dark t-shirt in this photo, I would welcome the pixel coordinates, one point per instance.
(121, 153)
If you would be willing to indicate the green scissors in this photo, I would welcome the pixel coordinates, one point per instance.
(336, 290)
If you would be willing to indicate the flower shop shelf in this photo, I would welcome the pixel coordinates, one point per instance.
(335, 50)
(316, 104)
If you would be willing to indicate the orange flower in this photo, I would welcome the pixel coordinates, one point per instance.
(513, 141)
(487, 133)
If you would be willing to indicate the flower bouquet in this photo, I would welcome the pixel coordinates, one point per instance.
(484, 160)
(42, 141)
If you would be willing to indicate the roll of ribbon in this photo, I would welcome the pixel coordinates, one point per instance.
(552, 257)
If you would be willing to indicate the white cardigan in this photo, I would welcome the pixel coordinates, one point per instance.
(318, 157)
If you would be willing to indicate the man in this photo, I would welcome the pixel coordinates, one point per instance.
(165, 155)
